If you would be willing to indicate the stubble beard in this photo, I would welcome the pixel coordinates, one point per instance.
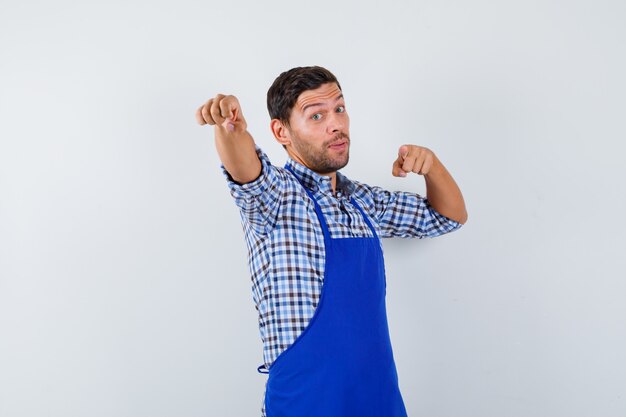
(321, 161)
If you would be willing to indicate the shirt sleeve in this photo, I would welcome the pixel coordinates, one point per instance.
(259, 200)
(404, 214)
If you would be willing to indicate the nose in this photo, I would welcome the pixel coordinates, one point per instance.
(338, 122)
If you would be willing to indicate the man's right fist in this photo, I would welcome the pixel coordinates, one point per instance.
(224, 112)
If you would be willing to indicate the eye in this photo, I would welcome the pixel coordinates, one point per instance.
(316, 116)
(341, 109)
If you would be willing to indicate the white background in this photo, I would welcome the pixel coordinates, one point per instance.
(124, 288)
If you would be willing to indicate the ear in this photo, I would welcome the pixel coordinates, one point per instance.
(280, 131)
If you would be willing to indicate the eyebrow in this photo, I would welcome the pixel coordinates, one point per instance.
(339, 97)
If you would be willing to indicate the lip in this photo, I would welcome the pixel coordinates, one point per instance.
(338, 146)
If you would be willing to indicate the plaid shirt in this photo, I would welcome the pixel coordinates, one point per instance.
(286, 244)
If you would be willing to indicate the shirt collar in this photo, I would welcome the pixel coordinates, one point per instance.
(314, 181)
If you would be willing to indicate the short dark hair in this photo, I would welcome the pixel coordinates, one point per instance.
(287, 87)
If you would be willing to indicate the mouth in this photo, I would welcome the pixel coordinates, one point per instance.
(339, 145)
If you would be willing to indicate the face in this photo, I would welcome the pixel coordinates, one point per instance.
(319, 130)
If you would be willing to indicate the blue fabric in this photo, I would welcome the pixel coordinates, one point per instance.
(342, 364)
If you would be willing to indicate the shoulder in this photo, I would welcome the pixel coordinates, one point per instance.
(271, 179)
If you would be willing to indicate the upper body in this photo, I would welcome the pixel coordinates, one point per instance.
(286, 252)
(286, 248)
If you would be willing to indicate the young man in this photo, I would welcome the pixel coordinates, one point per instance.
(314, 255)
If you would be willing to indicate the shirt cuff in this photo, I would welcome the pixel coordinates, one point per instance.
(253, 188)
(447, 224)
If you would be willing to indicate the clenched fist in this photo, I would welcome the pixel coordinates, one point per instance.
(222, 112)
(413, 158)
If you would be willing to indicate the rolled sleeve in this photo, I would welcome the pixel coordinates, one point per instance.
(259, 200)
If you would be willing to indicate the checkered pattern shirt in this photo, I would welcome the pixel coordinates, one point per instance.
(286, 244)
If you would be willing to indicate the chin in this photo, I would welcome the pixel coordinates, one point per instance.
(330, 168)
(344, 163)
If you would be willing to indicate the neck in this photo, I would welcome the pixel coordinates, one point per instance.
(331, 175)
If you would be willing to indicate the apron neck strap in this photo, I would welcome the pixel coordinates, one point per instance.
(365, 217)
(318, 209)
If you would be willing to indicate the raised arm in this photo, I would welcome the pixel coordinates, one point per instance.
(234, 144)
(442, 192)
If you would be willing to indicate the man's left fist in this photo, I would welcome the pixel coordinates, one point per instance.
(413, 158)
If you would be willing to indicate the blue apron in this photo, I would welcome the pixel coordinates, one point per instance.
(342, 364)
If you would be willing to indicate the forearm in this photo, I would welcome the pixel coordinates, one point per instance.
(444, 194)
(237, 152)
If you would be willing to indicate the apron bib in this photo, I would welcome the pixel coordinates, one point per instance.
(342, 364)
